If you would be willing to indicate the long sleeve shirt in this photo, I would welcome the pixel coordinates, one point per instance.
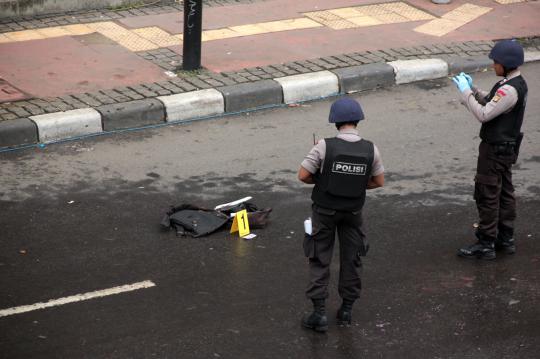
(504, 100)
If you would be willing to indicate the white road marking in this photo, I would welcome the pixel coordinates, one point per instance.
(77, 298)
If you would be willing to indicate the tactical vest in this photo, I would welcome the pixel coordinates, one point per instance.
(506, 127)
(345, 174)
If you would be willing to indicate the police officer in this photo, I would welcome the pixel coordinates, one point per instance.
(501, 114)
(342, 168)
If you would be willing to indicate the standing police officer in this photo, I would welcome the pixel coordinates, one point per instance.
(342, 168)
(501, 114)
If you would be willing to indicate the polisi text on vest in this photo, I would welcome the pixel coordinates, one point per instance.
(349, 168)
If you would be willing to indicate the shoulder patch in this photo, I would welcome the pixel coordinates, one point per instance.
(501, 92)
(496, 98)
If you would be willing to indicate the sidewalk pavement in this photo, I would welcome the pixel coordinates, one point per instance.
(69, 76)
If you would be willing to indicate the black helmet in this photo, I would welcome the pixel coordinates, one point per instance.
(345, 109)
(508, 53)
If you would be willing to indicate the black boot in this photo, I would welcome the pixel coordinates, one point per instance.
(344, 313)
(316, 320)
(506, 245)
(480, 250)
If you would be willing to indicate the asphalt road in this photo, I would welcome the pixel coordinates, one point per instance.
(84, 216)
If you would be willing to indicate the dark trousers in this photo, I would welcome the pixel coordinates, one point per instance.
(494, 193)
(319, 248)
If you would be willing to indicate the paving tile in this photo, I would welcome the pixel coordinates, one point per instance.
(199, 84)
(60, 105)
(132, 95)
(438, 27)
(218, 34)
(170, 86)
(78, 29)
(84, 98)
(380, 55)
(364, 21)
(415, 15)
(375, 10)
(116, 96)
(8, 116)
(124, 37)
(289, 24)
(346, 13)
(106, 100)
(143, 91)
(247, 30)
(158, 36)
(330, 20)
(19, 111)
(183, 85)
(24, 35)
(391, 53)
(391, 18)
(34, 110)
(55, 31)
(323, 16)
(453, 20)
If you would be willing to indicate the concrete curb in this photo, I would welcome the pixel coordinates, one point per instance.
(531, 56)
(132, 114)
(407, 71)
(62, 125)
(193, 105)
(365, 77)
(251, 95)
(208, 103)
(310, 86)
(468, 64)
(21, 131)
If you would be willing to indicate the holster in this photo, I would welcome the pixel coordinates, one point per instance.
(518, 145)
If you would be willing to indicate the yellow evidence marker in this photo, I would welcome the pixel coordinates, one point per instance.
(240, 223)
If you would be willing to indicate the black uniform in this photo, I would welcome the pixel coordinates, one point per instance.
(338, 197)
(494, 192)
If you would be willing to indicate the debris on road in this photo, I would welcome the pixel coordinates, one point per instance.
(193, 220)
(232, 204)
(196, 221)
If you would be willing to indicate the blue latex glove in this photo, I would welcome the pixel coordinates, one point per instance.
(468, 77)
(461, 83)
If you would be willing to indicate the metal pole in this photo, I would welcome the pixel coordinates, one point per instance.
(192, 34)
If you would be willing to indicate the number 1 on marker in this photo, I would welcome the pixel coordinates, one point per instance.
(243, 229)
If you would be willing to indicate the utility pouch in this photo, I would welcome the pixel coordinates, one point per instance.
(309, 246)
(364, 248)
(518, 145)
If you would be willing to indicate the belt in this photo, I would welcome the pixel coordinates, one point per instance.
(502, 144)
(503, 148)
